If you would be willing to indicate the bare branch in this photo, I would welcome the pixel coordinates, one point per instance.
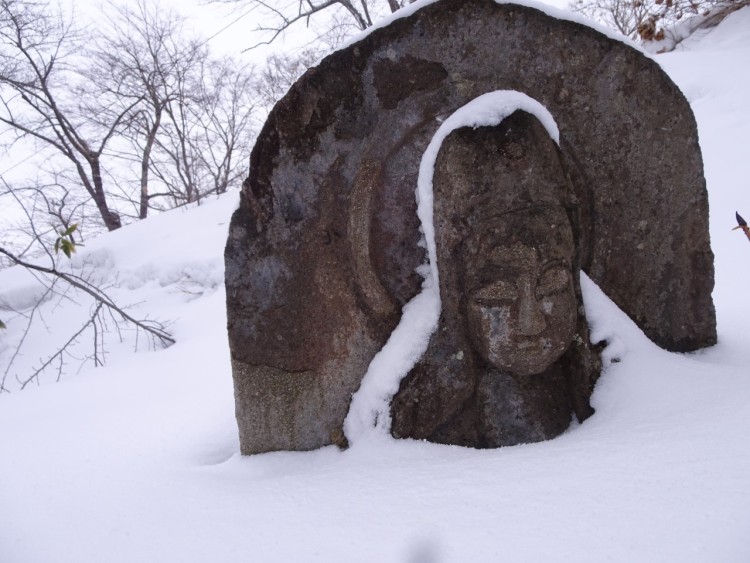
(19, 346)
(59, 354)
(360, 14)
(94, 292)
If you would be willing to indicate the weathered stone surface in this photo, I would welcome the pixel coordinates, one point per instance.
(322, 251)
(511, 360)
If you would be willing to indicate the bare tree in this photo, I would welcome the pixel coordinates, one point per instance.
(139, 92)
(194, 115)
(205, 132)
(144, 57)
(145, 96)
(281, 15)
(37, 50)
(228, 118)
(621, 15)
(281, 71)
(651, 20)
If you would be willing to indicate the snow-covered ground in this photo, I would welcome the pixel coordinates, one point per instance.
(138, 460)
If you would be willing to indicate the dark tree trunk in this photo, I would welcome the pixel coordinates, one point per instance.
(111, 219)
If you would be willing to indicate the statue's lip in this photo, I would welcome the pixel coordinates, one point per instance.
(541, 344)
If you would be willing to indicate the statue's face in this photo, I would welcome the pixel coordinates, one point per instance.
(522, 308)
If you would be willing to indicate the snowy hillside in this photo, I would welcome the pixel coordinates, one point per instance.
(138, 460)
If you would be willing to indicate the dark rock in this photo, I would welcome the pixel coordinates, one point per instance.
(322, 251)
(396, 80)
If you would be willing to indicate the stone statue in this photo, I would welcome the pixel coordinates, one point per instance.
(323, 250)
(511, 360)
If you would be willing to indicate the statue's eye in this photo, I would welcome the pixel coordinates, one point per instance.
(498, 290)
(552, 281)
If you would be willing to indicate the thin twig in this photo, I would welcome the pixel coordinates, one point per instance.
(26, 331)
(61, 351)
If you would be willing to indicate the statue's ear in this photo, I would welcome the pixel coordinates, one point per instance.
(361, 211)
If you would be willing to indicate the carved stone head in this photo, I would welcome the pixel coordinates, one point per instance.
(521, 306)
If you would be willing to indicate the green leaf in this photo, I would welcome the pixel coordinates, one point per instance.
(70, 230)
(2, 325)
(57, 245)
(67, 247)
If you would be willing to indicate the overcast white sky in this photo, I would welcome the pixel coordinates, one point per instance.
(232, 27)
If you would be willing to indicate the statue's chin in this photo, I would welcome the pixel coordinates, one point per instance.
(524, 360)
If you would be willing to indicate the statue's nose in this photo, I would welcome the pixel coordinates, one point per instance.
(530, 316)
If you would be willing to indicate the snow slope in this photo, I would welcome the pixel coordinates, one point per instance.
(138, 460)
